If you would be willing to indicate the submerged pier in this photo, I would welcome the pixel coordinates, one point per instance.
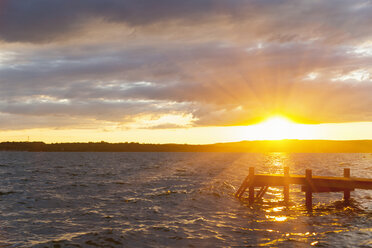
(310, 184)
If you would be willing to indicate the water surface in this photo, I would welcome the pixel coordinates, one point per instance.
(173, 199)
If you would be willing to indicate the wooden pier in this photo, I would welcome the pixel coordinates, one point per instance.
(310, 184)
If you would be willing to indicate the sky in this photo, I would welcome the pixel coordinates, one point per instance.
(196, 71)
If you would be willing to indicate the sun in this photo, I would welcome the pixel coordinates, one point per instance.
(277, 121)
(277, 127)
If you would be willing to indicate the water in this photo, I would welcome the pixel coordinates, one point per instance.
(173, 199)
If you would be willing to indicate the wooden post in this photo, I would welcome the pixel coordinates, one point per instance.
(286, 185)
(347, 192)
(242, 188)
(262, 192)
(251, 187)
(309, 197)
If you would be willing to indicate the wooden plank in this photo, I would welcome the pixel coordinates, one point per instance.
(277, 180)
(262, 192)
(319, 181)
(242, 187)
(346, 183)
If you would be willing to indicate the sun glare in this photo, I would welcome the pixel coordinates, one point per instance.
(277, 122)
(277, 128)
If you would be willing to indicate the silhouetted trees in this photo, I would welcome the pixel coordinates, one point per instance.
(244, 146)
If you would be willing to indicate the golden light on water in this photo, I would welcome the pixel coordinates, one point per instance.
(280, 218)
(276, 218)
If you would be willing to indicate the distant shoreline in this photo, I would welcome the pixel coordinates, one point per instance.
(293, 146)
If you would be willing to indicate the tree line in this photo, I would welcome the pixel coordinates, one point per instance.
(363, 146)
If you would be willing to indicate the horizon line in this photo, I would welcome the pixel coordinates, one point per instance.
(190, 144)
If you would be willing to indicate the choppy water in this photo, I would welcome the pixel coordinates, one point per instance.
(173, 199)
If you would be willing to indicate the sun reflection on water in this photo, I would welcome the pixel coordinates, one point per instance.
(277, 209)
(280, 218)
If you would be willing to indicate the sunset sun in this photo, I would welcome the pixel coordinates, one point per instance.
(277, 127)
(277, 123)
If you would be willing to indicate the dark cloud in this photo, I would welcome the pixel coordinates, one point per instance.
(286, 20)
(45, 20)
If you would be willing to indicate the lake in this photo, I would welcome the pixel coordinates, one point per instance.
(174, 199)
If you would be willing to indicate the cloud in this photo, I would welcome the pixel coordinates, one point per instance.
(223, 62)
(49, 20)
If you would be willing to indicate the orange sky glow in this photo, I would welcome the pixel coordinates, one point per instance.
(275, 128)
